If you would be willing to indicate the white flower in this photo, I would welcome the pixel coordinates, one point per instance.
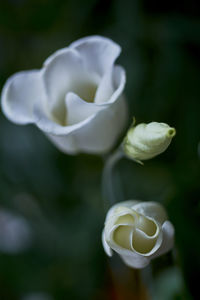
(137, 231)
(75, 99)
(145, 141)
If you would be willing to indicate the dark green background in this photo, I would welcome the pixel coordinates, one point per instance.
(60, 195)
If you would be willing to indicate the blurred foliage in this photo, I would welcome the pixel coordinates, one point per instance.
(59, 196)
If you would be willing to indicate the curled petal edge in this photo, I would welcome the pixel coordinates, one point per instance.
(19, 93)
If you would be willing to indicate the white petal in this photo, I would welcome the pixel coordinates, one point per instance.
(153, 210)
(106, 247)
(131, 258)
(99, 53)
(122, 236)
(168, 239)
(105, 88)
(61, 136)
(20, 93)
(128, 204)
(148, 226)
(67, 144)
(143, 244)
(126, 219)
(119, 80)
(135, 260)
(78, 110)
(99, 134)
(116, 223)
(96, 134)
(46, 122)
(111, 85)
(59, 73)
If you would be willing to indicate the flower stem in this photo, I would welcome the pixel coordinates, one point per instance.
(111, 186)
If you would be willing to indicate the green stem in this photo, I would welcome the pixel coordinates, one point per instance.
(112, 191)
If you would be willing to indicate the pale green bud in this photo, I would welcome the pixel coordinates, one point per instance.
(145, 141)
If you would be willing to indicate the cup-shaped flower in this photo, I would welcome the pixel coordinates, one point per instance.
(137, 231)
(75, 99)
(145, 141)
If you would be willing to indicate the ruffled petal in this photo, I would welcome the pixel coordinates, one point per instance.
(114, 209)
(135, 260)
(142, 243)
(121, 236)
(19, 95)
(167, 240)
(105, 88)
(106, 247)
(153, 210)
(59, 73)
(95, 134)
(99, 53)
(100, 132)
(111, 86)
(78, 110)
(130, 257)
(119, 80)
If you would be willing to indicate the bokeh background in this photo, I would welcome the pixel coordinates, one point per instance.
(51, 204)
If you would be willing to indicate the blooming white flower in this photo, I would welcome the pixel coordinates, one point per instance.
(75, 99)
(137, 231)
(145, 141)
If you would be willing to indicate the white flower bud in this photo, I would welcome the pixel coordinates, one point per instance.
(145, 141)
(137, 231)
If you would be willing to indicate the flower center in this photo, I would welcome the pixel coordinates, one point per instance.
(136, 233)
(86, 90)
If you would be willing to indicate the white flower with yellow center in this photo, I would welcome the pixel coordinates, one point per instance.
(137, 231)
